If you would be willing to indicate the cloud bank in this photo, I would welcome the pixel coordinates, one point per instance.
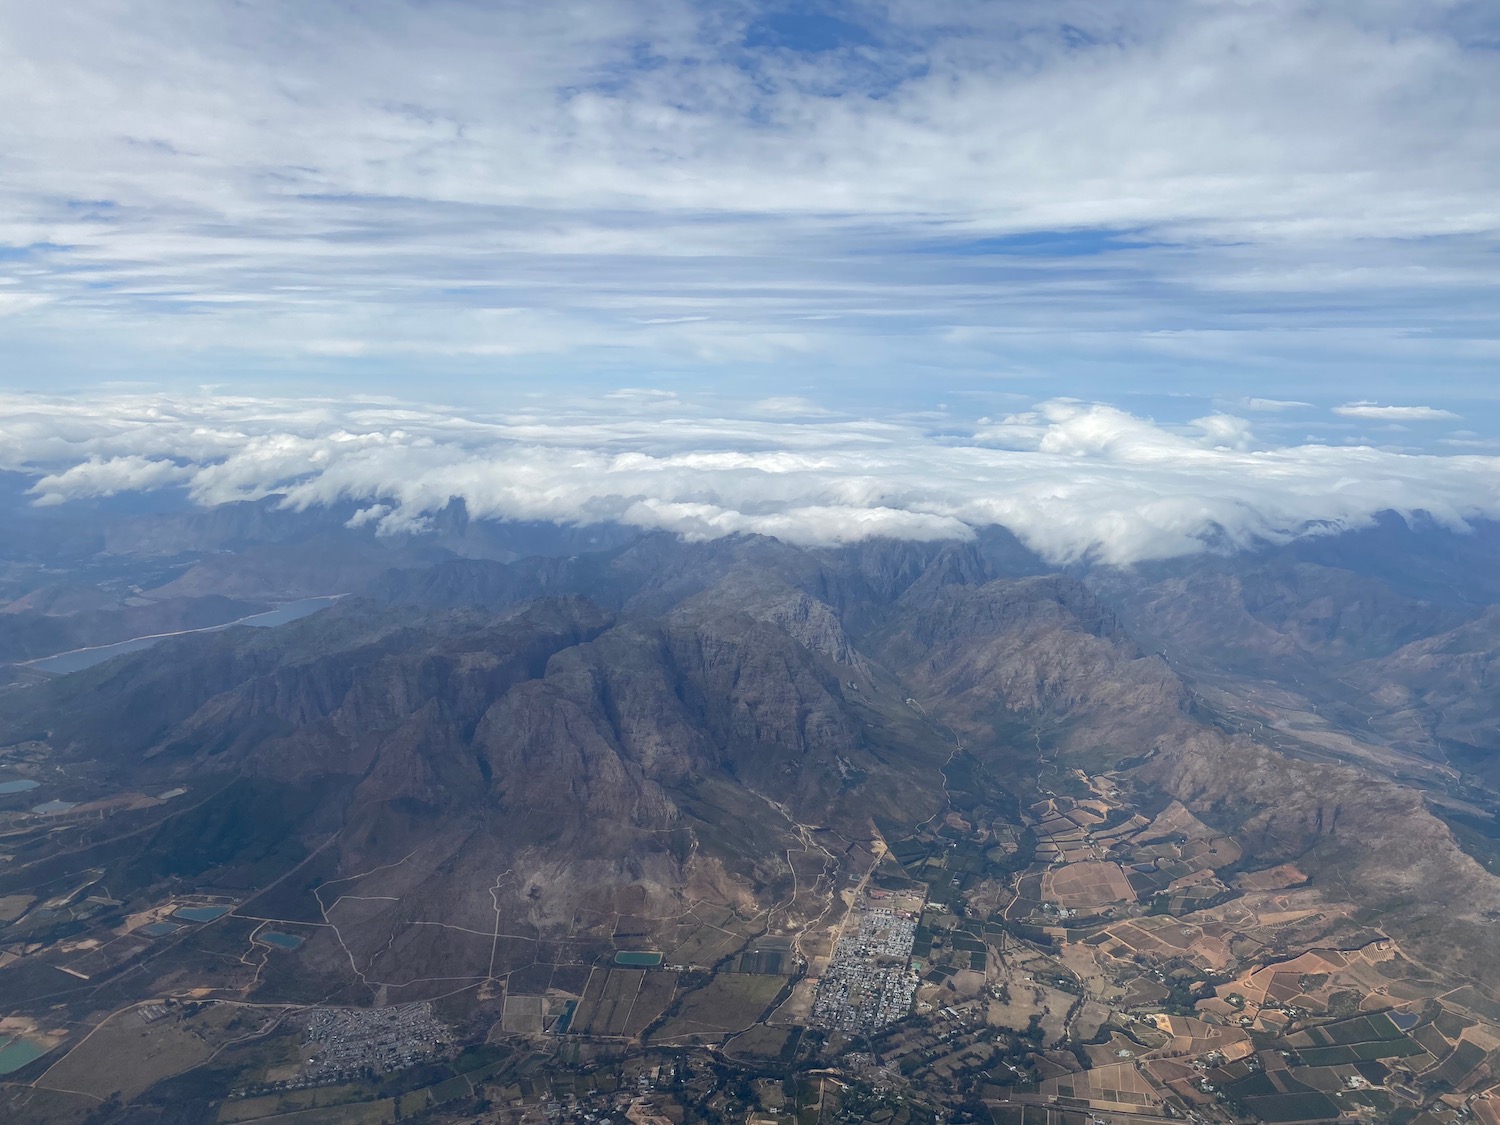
(1073, 480)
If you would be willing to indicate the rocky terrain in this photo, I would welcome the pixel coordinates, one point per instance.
(482, 762)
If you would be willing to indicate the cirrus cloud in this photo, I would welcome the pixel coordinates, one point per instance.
(534, 187)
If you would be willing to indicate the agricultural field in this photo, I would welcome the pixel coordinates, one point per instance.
(729, 1002)
(1088, 885)
(621, 1002)
(135, 1048)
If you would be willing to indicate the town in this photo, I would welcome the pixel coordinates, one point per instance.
(870, 981)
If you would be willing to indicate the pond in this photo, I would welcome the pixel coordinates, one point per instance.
(53, 807)
(25, 785)
(200, 913)
(160, 929)
(17, 1052)
(639, 960)
(279, 940)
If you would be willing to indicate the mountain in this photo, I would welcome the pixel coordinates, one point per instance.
(476, 782)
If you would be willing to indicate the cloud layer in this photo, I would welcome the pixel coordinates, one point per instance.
(1181, 185)
(1073, 480)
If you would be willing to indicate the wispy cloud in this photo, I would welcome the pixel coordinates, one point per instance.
(1249, 402)
(1072, 479)
(664, 183)
(1376, 412)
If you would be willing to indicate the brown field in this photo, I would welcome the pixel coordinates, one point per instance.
(22, 1103)
(798, 1006)
(346, 1098)
(656, 992)
(1272, 879)
(362, 1113)
(1118, 1086)
(729, 1002)
(1087, 885)
(128, 1054)
(619, 1002)
(759, 1042)
(523, 1014)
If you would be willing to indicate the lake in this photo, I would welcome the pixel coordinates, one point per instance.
(25, 785)
(79, 659)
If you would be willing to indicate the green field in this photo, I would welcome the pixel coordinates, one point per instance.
(1310, 1106)
(1358, 1052)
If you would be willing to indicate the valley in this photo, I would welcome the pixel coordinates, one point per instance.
(731, 832)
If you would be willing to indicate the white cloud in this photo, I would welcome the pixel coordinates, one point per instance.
(530, 180)
(1379, 413)
(99, 476)
(1271, 404)
(1072, 479)
(789, 406)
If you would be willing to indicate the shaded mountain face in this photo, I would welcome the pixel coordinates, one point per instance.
(1396, 651)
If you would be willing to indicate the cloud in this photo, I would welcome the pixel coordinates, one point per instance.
(99, 476)
(1074, 480)
(1379, 413)
(788, 406)
(1271, 404)
(662, 184)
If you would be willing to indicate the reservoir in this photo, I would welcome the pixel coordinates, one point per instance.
(279, 940)
(25, 785)
(16, 1053)
(200, 913)
(638, 960)
(79, 659)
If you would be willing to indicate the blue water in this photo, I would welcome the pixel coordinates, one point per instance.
(283, 614)
(79, 659)
(25, 785)
(279, 940)
(200, 913)
(160, 929)
(638, 959)
(18, 1052)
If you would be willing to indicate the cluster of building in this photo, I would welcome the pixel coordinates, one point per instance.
(870, 982)
(346, 1041)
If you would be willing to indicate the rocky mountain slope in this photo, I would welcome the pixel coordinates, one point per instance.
(505, 747)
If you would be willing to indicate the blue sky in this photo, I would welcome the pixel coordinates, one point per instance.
(1177, 207)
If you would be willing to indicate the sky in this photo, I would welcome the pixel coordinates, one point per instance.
(926, 216)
